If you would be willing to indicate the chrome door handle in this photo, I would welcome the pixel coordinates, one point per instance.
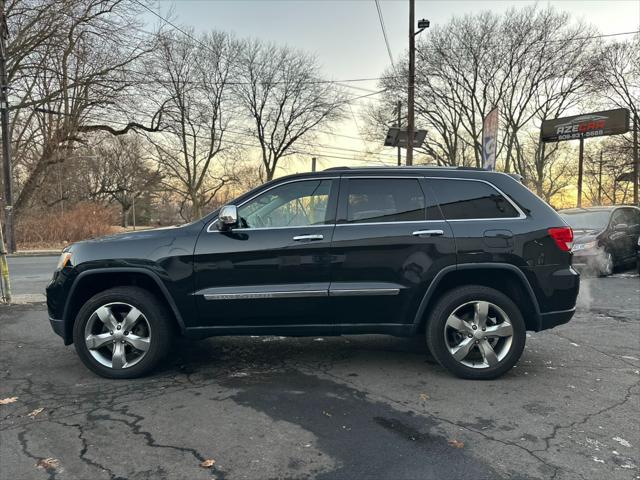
(308, 238)
(428, 233)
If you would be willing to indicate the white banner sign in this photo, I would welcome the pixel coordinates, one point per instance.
(489, 140)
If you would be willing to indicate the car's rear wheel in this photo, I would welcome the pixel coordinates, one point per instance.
(476, 332)
(122, 332)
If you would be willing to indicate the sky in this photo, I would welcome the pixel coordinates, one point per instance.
(346, 36)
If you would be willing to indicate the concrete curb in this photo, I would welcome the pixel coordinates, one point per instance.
(27, 298)
(35, 253)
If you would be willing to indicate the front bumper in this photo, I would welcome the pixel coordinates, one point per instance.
(594, 259)
(59, 327)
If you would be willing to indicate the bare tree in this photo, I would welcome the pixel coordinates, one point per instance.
(68, 71)
(477, 62)
(618, 79)
(605, 162)
(286, 99)
(194, 77)
(120, 171)
(548, 172)
(617, 74)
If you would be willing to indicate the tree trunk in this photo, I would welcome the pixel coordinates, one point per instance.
(196, 207)
(125, 216)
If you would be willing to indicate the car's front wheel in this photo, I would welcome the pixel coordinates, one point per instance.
(607, 266)
(476, 332)
(122, 332)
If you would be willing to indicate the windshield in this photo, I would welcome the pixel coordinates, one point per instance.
(596, 220)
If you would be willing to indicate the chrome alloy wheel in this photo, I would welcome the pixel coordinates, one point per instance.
(117, 335)
(608, 265)
(478, 334)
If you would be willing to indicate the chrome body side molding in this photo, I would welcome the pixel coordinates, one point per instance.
(340, 289)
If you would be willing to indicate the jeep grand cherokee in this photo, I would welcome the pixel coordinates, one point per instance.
(470, 259)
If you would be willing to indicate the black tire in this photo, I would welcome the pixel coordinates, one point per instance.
(608, 265)
(448, 304)
(159, 320)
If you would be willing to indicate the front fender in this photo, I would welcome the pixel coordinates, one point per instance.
(80, 282)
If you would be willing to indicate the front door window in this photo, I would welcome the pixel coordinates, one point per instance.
(296, 204)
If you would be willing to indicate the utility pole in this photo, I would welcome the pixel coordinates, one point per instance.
(5, 282)
(399, 123)
(133, 209)
(600, 180)
(580, 168)
(636, 160)
(6, 134)
(313, 164)
(412, 79)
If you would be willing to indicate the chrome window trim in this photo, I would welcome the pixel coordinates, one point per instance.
(521, 214)
(387, 223)
(213, 222)
(276, 228)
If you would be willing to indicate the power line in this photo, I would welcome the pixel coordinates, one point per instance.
(384, 32)
(319, 81)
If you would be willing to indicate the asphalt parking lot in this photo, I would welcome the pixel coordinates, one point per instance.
(331, 408)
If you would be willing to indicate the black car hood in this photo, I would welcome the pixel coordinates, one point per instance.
(137, 234)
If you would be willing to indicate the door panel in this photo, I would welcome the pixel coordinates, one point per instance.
(621, 242)
(631, 235)
(380, 269)
(381, 272)
(267, 271)
(634, 229)
(253, 277)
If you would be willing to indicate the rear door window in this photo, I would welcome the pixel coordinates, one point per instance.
(374, 200)
(470, 199)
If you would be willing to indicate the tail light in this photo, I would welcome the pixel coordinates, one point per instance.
(563, 236)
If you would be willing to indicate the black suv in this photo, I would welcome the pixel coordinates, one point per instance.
(469, 258)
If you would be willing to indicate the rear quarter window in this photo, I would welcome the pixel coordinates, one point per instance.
(470, 199)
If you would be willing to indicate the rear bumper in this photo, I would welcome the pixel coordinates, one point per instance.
(553, 319)
(556, 290)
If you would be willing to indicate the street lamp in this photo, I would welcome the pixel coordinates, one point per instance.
(422, 24)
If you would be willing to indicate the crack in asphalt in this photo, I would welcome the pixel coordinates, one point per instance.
(22, 440)
(91, 417)
(586, 418)
(608, 355)
(85, 447)
(451, 423)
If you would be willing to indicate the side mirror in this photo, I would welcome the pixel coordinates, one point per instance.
(621, 227)
(228, 217)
